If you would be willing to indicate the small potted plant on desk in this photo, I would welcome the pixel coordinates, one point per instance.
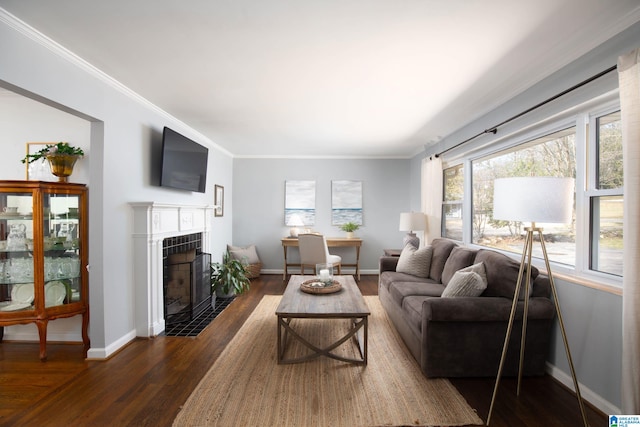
(349, 228)
(228, 278)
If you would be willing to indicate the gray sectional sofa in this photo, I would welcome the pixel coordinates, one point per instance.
(463, 336)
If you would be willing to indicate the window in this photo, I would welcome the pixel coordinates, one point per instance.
(585, 144)
(453, 181)
(605, 196)
(550, 155)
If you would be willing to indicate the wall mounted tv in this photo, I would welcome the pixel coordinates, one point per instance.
(184, 162)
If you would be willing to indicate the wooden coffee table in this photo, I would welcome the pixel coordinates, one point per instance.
(348, 303)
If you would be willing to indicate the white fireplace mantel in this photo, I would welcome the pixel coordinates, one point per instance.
(152, 223)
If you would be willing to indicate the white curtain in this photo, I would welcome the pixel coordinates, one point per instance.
(432, 196)
(629, 82)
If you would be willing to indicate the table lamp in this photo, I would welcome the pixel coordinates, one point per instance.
(294, 222)
(410, 221)
(533, 199)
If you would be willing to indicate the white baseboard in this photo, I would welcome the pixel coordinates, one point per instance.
(104, 353)
(587, 394)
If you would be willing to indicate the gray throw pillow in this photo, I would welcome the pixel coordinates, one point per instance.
(468, 282)
(416, 262)
(247, 255)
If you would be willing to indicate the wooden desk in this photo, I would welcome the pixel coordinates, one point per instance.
(332, 242)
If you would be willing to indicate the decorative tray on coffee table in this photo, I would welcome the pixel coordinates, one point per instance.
(317, 287)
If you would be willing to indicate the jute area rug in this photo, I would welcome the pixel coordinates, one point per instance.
(246, 386)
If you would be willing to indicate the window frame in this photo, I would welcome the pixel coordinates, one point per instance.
(591, 190)
(583, 118)
(445, 202)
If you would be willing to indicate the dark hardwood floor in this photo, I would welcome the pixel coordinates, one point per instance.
(146, 382)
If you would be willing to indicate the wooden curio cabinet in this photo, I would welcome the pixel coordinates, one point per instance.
(43, 255)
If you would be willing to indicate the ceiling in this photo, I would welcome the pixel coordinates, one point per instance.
(325, 78)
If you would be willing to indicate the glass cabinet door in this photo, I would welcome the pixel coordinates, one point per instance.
(61, 245)
(16, 246)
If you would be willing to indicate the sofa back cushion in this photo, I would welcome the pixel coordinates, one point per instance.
(416, 262)
(459, 258)
(502, 274)
(441, 250)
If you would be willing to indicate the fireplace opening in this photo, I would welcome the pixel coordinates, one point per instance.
(186, 284)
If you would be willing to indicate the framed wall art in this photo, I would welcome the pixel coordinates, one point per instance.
(346, 202)
(300, 199)
(218, 200)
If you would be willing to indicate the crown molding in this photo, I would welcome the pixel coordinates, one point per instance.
(57, 49)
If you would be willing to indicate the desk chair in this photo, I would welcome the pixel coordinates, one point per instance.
(313, 250)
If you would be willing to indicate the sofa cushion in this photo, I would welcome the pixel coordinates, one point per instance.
(400, 290)
(415, 261)
(502, 274)
(441, 250)
(388, 277)
(459, 258)
(467, 282)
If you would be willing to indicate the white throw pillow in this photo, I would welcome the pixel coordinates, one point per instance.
(416, 262)
(467, 282)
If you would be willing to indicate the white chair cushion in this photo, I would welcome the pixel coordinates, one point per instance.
(334, 259)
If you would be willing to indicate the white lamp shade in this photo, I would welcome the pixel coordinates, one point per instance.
(533, 199)
(410, 221)
(295, 221)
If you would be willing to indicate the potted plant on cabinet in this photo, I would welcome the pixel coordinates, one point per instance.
(228, 278)
(61, 157)
(349, 228)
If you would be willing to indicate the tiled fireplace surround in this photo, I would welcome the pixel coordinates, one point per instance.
(154, 222)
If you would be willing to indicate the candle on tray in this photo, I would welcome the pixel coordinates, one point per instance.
(324, 275)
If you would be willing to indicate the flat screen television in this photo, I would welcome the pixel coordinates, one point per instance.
(184, 162)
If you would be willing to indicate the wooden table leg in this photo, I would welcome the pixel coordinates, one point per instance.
(284, 274)
(358, 262)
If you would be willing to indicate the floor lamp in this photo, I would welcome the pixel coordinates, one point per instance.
(533, 199)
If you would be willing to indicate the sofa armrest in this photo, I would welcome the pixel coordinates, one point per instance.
(482, 309)
(388, 263)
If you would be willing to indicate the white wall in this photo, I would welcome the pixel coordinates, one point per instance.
(259, 204)
(24, 120)
(124, 137)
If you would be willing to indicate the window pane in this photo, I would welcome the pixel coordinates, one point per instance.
(452, 215)
(609, 146)
(452, 205)
(606, 234)
(552, 155)
(453, 184)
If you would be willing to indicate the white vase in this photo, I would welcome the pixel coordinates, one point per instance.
(349, 234)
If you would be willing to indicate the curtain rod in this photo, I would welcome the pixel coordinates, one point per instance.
(494, 129)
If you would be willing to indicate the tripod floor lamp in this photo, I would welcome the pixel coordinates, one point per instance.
(533, 199)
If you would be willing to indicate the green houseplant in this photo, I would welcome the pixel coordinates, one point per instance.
(349, 228)
(61, 157)
(60, 148)
(228, 277)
